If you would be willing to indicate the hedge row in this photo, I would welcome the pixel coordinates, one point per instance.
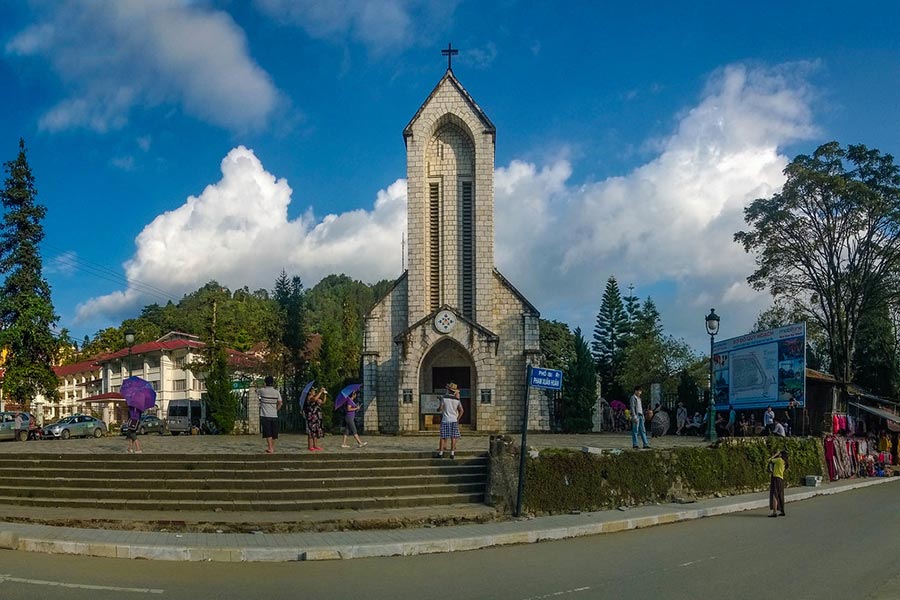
(567, 480)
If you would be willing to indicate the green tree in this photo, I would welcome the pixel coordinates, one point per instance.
(557, 345)
(632, 307)
(610, 339)
(579, 389)
(876, 356)
(291, 333)
(221, 402)
(27, 317)
(828, 243)
(651, 356)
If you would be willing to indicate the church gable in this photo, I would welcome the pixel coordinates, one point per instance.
(445, 94)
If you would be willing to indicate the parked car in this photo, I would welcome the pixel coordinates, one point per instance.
(8, 425)
(76, 425)
(150, 424)
(185, 415)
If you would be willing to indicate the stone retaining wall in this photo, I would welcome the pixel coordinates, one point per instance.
(560, 480)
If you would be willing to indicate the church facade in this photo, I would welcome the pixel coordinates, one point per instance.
(451, 316)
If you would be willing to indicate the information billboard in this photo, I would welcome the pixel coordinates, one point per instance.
(766, 368)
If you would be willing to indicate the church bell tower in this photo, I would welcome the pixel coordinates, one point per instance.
(450, 167)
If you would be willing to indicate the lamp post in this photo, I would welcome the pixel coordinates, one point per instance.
(712, 328)
(129, 341)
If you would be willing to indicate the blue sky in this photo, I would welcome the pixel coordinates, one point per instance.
(176, 142)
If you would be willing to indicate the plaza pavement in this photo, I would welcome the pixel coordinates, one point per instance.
(294, 443)
(480, 530)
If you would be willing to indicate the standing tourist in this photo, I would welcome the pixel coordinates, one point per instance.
(312, 410)
(768, 420)
(269, 405)
(681, 417)
(351, 408)
(131, 430)
(777, 465)
(451, 413)
(18, 425)
(732, 417)
(637, 418)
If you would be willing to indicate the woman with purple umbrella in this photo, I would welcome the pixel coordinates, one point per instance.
(131, 430)
(312, 410)
(139, 396)
(350, 409)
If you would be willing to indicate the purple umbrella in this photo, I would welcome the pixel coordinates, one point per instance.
(617, 405)
(344, 397)
(139, 393)
(305, 393)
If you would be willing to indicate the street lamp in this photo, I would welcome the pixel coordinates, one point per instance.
(712, 328)
(129, 341)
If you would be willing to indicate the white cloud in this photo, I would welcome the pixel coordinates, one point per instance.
(237, 232)
(380, 25)
(667, 224)
(166, 52)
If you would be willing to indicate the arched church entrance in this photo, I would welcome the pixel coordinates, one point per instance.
(447, 362)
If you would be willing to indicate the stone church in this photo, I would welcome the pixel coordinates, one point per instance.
(451, 316)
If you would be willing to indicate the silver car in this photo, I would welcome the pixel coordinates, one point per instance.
(8, 426)
(76, 425)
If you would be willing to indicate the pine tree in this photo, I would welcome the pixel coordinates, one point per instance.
(610, 338)
(580, 389)
(632, 308)
(291, 332)
(26, 309)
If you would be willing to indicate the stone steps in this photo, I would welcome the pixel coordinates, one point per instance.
(415, 501)
(237, 482)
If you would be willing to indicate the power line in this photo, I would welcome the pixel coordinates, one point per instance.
(67, 258)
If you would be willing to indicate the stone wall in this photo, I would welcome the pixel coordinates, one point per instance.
(559, 481)
(381, 360)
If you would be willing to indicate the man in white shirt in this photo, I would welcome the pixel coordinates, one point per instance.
(637, 418)
(451, 413)
(269, 405)
(778, 429)
(768, 419)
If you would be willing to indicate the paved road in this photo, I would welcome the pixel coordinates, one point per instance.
(842, 546)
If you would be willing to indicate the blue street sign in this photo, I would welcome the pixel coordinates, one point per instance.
(548, 379)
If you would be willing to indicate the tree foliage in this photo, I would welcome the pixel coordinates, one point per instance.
(610, 338)
(828, 244)
(653, 357)
(580, 389)
(557, 345)
(27, 316)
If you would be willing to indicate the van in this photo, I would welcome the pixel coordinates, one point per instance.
(183, 415)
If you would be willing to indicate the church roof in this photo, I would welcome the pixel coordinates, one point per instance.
(427, 318)
(517, 293)
(450, 77)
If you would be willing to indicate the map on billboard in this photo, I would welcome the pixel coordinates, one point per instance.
(766, 368)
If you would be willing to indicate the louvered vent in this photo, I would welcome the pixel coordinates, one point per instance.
(467, 212)
(434, 245)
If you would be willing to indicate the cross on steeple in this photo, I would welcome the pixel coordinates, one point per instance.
(449, 52)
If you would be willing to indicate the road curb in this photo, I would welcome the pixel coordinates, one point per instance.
(10, 539)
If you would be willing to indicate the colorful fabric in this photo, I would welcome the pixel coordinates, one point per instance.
(449, 430)
(313, 413)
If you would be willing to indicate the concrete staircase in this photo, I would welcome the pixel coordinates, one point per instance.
(281, 482)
